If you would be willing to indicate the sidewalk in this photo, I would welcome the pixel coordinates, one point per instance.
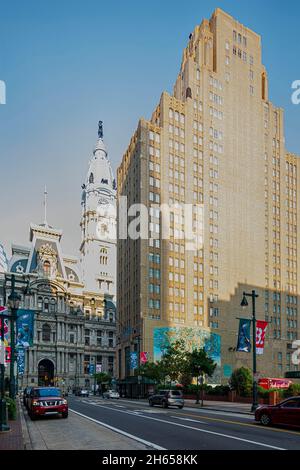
(74, 433)
(229, 407)
(13, 439)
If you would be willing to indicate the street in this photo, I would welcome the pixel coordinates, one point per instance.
(187, 429)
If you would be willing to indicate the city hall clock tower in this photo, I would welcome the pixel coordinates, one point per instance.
(98, 223)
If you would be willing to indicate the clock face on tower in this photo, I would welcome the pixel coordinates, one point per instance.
(106, 225)
(106, 229)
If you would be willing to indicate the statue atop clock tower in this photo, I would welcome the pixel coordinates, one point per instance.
(98, 223)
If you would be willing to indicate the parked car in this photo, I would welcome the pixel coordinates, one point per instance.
(45, 401)
(111, 394)
(26, 393)
(166, 398)
(82, 393)
(285, 413)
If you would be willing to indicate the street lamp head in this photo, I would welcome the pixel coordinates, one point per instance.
(244, 302)
(14, 301)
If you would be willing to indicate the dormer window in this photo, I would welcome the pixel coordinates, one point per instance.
(47, 268)
(104, 181)
(91, 178)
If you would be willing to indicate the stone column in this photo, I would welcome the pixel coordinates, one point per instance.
(67, 363)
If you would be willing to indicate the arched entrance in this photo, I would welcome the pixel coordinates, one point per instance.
(46, 373)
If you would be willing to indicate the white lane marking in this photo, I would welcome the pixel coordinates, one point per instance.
(188, 419)
(196, 429)
(124, 433)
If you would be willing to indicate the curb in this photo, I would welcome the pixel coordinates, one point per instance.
(204, 408)
(25, 431)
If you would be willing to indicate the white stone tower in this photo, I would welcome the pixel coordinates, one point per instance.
(98, 223)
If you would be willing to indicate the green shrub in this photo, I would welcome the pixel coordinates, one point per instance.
(293, 390)
(263, 393)
(220, 390)
(12, 408)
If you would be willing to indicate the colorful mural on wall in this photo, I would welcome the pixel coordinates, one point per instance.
(193, 338)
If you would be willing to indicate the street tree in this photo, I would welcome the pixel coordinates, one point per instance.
(102, 378)
(241, 381)
(199, 364)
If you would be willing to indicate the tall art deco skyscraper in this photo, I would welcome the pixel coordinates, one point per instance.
(218, 143)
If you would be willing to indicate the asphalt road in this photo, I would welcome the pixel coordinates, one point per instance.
(187, 429)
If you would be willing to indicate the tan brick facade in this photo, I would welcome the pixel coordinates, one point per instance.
(219, 142)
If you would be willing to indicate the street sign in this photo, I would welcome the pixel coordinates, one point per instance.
(98, 368)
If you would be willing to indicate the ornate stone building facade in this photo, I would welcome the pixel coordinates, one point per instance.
(74, 320)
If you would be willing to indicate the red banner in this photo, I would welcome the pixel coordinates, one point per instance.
(261, 328)
(143, 357)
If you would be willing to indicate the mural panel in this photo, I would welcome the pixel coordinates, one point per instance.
(194, 338)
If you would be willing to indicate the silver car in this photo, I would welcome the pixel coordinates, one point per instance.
(166, 398)
(111, 394)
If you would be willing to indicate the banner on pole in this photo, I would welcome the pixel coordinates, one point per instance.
(6, 335)
(144, 357)
(244, 342)
(261, 328)
(21, 361)
(133, 360)
(24, 328)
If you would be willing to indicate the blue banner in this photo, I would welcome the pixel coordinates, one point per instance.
(133, 360)
(244, 342)
(92, 368)
(21, 361)
(24, 328)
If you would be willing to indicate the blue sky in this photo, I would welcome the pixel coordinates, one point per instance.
(69, 63)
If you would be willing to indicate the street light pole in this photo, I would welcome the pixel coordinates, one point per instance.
(13, 303)
(198, 394)
(3, 421)
(244, 303)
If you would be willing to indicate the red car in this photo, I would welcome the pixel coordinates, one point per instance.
(285, 413)
(46, 401)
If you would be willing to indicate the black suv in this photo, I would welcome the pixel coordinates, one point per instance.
(166, 398)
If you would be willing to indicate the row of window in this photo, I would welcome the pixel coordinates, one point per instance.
(177, 116)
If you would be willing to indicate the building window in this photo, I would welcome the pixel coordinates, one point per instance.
(40, 303)
(99, 338)
(86, 364)
(46, 332)
(46, 304)
(87, 337)
(47, 268)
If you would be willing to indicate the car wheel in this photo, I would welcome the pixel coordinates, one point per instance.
(32, 417)
(165, 404)
(180, 407)
(65, 415)
(265, 419)
(151, 403)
